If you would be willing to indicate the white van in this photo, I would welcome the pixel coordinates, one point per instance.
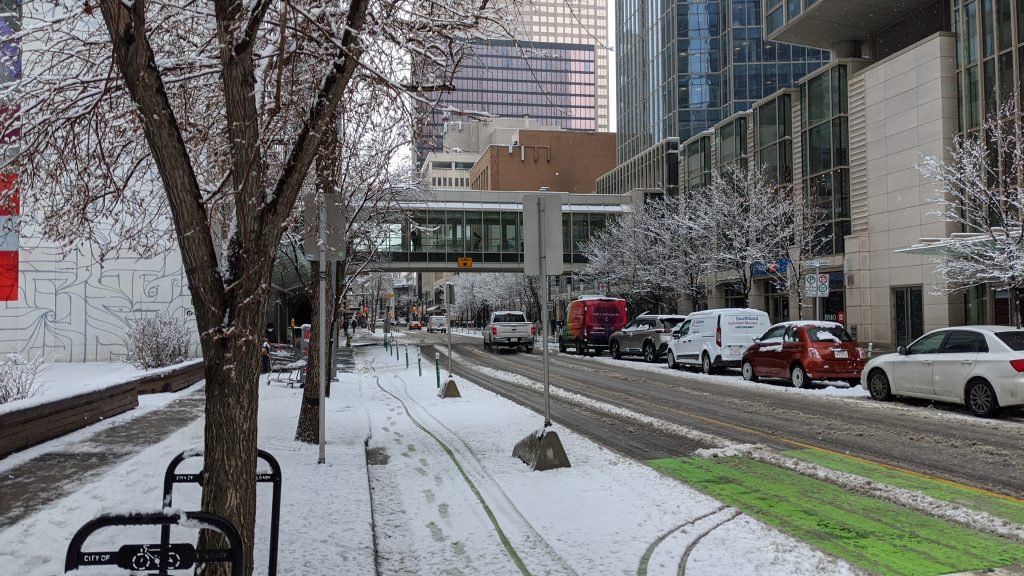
(714, 339)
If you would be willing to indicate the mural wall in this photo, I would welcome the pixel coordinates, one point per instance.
(72, 309)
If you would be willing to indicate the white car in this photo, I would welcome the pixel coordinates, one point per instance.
(981, 367)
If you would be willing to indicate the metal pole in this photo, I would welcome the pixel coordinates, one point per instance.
(437, 367)
(544, 309)
(323, 331)
(406, 355)
(448, 312)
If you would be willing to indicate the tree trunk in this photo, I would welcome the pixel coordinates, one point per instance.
(1018, 294)
(308, 429)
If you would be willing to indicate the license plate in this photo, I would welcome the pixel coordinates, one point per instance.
(841, 353)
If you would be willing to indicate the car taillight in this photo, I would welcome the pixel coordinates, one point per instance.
(813, 353)
(533, 330)
(862, 354)
(718, 334)
(1018, 364)
(494, 330)
(661, 331)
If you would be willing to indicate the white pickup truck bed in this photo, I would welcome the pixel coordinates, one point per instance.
(508, 329)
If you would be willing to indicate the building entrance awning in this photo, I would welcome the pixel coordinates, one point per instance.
(958, 241)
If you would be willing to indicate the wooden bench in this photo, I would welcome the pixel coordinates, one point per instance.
(20, 429)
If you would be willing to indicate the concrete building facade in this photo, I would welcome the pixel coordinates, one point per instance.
(559, 161)
(906, 79)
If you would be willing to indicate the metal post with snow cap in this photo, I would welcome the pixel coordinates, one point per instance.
(542, 256)
(449, 390)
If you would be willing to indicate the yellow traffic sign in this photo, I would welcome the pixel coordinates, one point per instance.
(465, 262)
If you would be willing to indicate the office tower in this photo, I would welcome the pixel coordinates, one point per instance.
(553, 69)
(685, 65)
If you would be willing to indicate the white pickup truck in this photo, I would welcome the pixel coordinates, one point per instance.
(509, 329)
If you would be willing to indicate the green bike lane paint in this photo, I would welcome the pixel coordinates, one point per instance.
(881, 537)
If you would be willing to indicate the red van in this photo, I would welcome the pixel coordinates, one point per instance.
(590, 322)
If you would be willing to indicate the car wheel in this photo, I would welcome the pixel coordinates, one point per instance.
(485, 346)
(878, 386)
(529, 349)
(798, 376)
(748, 372)
(672, 360)
(614, 350)
(649, 355)
(853, 382)
(981, 399)
(561, 346)
(580, 350)
(705, 364)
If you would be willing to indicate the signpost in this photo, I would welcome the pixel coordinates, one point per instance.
(816, 286)
(542, 256)
(325, 241)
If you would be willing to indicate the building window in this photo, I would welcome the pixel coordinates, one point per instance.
(776, 301)
(826, 155)
(734, 297)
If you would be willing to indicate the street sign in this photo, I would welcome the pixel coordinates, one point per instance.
(816, 285)
(550, 205)
(465, 262)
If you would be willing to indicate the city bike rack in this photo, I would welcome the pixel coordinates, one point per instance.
(164, 556)
(172, 477)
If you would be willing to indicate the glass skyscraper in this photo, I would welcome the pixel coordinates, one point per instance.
(555, 71)
(685, 65)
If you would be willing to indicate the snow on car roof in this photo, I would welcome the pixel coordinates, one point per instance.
(818, 323)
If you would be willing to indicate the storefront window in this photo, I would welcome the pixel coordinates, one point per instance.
(776, 301)
(976, 305)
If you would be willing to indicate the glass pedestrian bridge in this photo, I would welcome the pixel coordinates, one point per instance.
(487, 228)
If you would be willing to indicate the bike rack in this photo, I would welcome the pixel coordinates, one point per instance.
(164, 556)
(171, 477)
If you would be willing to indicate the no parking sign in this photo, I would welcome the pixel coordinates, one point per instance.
(816, 285)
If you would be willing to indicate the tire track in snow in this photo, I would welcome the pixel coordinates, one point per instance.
(487, 483)
(506, 543)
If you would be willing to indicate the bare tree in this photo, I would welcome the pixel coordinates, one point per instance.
(982, 191)
(634, 254)
(211, 115)
(740, 219)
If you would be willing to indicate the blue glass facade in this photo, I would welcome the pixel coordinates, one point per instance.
(685, 65)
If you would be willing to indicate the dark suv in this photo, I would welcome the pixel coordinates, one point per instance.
(647, 335)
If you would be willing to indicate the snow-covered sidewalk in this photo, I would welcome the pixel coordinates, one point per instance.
(447, 495)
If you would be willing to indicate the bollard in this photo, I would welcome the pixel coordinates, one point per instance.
(437, 367)
(419, 365)
(406, 355)
(871, 349)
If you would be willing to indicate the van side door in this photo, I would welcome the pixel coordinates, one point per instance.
(690, 345)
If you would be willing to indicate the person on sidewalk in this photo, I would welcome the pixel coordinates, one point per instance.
(265, 359)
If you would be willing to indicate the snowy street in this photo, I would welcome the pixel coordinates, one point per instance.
(432, 484)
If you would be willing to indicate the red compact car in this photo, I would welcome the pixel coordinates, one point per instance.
(802, 352)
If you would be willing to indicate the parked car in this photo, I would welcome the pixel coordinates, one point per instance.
(647, 335)
(437, 324)
(713, 339)
(590, 322)
(509, 329)
(803, 352)
(415, 325)
(981, 367)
